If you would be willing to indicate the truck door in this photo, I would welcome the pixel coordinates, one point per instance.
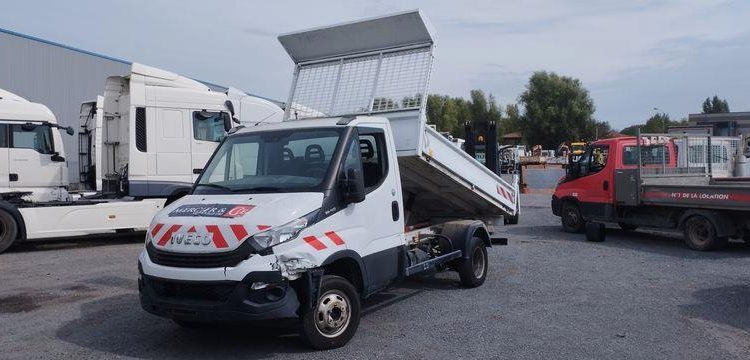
(172, 146)
(4, 157)
(32, 158)
(379, 217)
(208, 130)
(597, 197)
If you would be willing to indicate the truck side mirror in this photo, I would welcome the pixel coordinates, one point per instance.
(57, 158)
(69, 130)
(354, 187)
(229, 107)
(227, 121)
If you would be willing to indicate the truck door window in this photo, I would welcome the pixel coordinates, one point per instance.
(208, 125)
(595, 159)
(38, 138)
(374, 162)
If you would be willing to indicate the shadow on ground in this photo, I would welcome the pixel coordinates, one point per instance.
(112, 325)
(726, 305)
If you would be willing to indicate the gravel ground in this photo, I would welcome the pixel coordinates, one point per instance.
(549, 294)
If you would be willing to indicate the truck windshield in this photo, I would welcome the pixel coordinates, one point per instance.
(271, 161)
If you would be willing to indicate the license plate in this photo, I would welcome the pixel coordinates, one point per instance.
(191, 238)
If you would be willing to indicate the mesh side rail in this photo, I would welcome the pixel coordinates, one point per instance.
(365, 84)
(669, 155)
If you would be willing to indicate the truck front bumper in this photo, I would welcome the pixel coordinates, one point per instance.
(219, 301)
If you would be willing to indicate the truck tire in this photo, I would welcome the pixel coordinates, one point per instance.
(571, 218)
(700, 234)
(473, 271)
(335, 317)
(8, 230)
(595, 232)
(627, 227)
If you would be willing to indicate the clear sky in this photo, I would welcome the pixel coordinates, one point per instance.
(632, 55)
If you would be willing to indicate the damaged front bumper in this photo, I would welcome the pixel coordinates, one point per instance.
(259, 296)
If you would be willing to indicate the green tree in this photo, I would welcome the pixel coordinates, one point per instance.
(715, 105)
(558, 108)
(657, 123)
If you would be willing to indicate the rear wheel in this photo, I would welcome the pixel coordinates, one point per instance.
(571, 218)
(627, 227)
(700, 234)
(473, 271)
(335, 317)
(8, 230)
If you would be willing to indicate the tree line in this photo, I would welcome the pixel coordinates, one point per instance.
(551, 110)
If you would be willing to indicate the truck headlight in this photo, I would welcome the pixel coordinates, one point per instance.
(284, 233)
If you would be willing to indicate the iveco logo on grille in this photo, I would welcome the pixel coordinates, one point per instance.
(190, 238)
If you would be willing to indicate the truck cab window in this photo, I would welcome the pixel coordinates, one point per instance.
(594, 160)
(38, 138)
(208, 125)
(372, 153)
(650, 155)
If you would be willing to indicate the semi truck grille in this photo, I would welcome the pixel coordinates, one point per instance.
(212, 260)
(187, 291)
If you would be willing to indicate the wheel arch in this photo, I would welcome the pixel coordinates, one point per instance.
(722, 223)
(462, 234)
(16, 214)
(347, 264)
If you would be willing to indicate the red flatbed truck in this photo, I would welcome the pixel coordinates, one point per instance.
(670, 187)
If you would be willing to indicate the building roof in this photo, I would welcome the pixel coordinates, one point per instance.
(743, 116)
(33, 38)
(214, 87)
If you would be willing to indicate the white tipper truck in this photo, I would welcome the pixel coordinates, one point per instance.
(139, 145)
(304, 218)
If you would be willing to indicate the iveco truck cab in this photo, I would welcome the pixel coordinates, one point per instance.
(304, 218)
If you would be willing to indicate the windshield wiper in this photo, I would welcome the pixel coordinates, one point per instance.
(217, 186)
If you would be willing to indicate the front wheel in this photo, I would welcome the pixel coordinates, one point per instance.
(335, 317)
(571, 218)
(473, 271)
(8, 230)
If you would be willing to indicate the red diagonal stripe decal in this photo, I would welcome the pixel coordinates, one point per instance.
(218, 238)
(314, 242)
(335, 238)
(168, 234)
(192, 229)
(156, 229)
(263, 227)
(239, 231)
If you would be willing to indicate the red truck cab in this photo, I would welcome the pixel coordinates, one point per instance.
(587, 191)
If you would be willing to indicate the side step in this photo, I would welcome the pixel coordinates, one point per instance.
(429, 264)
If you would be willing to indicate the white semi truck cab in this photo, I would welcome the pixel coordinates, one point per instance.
(32, 158)
(304, 218)
(152, 131)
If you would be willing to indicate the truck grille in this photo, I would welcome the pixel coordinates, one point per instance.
(211, 260)
(188, 291)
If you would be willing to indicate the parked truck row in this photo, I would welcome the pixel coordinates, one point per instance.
(141, 145)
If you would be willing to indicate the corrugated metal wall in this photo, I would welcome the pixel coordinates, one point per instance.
(58, 77)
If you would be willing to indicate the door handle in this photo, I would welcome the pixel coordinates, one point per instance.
(606, 185)
(13, 177)
(394, 210)
(197, 171)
